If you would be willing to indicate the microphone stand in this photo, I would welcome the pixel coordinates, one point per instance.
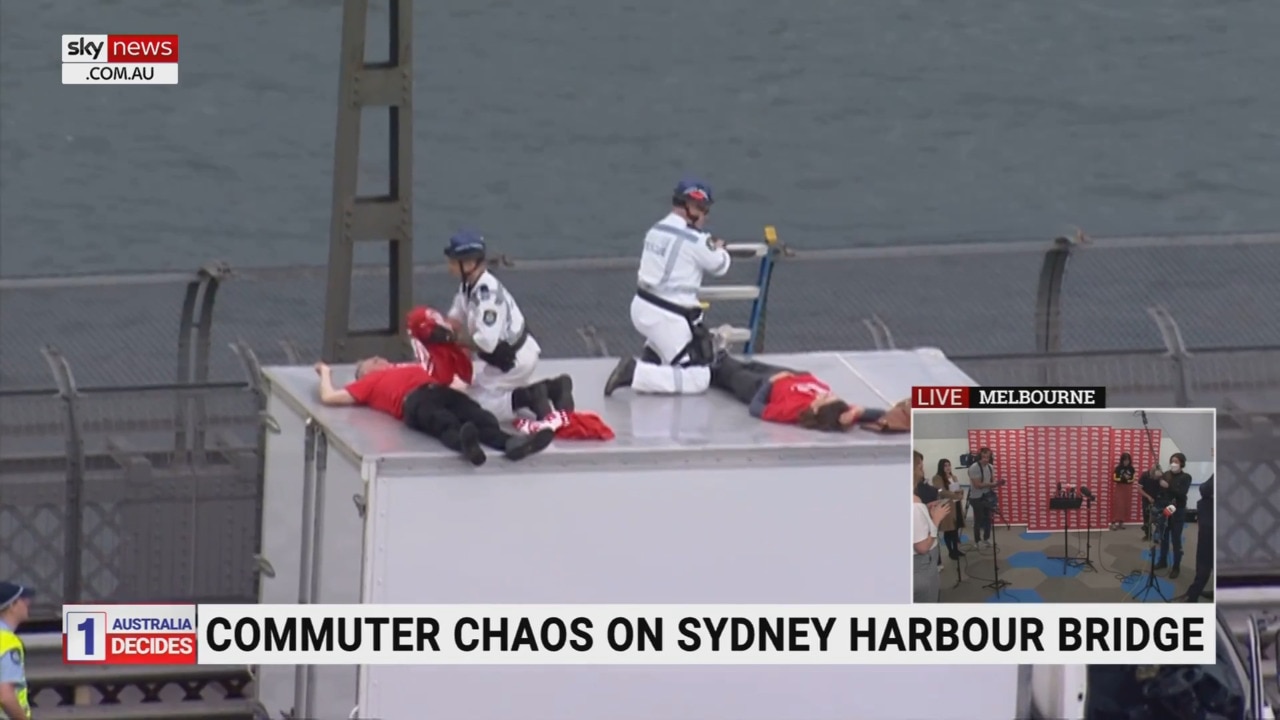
(1157, 521)
(997, 584)
(1087, 563)
(1157, 533)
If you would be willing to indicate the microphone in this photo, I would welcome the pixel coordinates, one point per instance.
(1086, 492)
(1144, 416)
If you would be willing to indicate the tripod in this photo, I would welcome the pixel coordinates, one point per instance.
(997, 584)
(1087, 562)
(1158, 527)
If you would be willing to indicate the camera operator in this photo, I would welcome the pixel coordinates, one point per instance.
(982, 497)
(1204, 543)
(1173, 489)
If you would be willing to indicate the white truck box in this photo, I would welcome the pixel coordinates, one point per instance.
(694, 501)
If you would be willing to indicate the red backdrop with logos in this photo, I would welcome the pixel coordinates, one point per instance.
(1034, 460)
(1008, 462)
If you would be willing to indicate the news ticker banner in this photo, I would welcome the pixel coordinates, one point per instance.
(119, 59)
(1009, 398)
(979, 634)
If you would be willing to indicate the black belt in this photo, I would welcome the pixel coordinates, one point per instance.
(692, 315)
(493, 359)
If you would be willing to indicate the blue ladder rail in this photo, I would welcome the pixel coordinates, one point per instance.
(764, 276)
(750, 337)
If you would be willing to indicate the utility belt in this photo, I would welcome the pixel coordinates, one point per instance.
(701, 349)
(691, 314)
(503, 356)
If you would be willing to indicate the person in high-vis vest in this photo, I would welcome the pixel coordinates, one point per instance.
(15, 608)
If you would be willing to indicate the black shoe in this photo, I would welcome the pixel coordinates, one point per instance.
(1175, 572)
(623, 373)
(1161, 565)
(469, 438)
(561, 391)
(954, 554)
(520, 447)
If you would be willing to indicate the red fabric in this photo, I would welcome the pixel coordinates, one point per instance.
(449, 360)
(386, 390)
(445, 360)
(421, 320)
(584, 425)
(791, 395)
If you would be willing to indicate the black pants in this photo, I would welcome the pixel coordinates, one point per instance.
(743, 379)
(952, 540)
(1173, 536)
(441, 411)
(1146, 517)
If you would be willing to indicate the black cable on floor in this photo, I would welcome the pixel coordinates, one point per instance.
(969, 576)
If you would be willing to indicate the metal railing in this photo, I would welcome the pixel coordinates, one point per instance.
(1134, 294)
(119, 491)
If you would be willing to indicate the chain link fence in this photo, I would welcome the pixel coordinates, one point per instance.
(130, 463)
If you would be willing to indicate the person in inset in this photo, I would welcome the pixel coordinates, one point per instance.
(1122, 491)
(982, 489)
(926, 587)
(782, 395)
(486, 319)
(927, 493)
(1175, 485)
(426, 402)
(1204, 544)
(949, 488)
(15, 608)
(1148, 489)
(549, 401)
(666, 310)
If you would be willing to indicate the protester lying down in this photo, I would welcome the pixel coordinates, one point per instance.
(786, 395)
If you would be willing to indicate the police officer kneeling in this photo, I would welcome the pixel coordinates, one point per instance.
(15, 608)
(666, 311)
(505, 354)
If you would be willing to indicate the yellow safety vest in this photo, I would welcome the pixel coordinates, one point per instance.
(9, 642)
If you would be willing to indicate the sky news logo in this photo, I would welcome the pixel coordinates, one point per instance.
(129, 634)
(120, 59)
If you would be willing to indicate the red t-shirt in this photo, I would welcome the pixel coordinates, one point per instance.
(791, 395)
(386, 390)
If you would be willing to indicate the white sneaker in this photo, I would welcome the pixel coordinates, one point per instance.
(720, 338)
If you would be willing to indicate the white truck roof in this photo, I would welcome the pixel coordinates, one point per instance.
(656, 426)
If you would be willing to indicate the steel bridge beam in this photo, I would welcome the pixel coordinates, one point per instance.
(382, 218)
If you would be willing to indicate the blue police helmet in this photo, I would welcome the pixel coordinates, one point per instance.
(695, 191)
(465, 245)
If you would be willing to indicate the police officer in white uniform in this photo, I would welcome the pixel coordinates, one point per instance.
(505, 354)
(666, 311)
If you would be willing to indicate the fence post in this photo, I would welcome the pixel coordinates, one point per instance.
(73, 510)
(195, 332)
(1049, 302)
(1171, 334)
(880, 333)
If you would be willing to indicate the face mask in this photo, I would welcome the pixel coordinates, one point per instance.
(1175, 467)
